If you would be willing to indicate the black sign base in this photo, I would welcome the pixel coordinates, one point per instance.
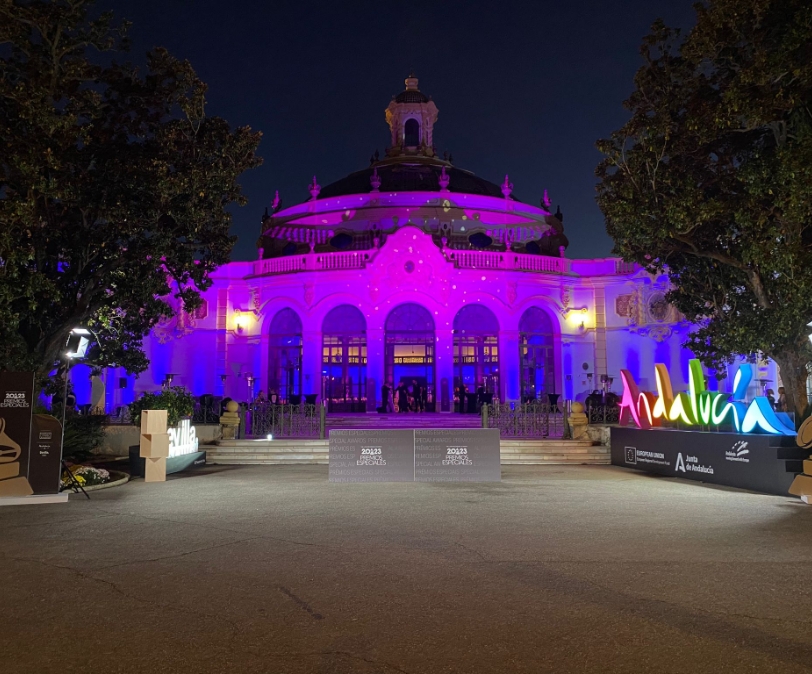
(174, 464)
(763, 463)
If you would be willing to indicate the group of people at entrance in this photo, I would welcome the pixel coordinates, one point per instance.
(412, 397)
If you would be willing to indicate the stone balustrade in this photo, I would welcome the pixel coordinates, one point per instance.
(461, 259)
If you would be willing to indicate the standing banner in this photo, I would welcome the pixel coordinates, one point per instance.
(457, 455)
(420, 455)
(45, 459)
(16, 406)
(371, 456)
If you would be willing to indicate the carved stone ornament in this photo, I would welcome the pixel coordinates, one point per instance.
(177, 326)
(309, 293)
(512, 292)
(566, 296)
(623, 305)
(660, 333)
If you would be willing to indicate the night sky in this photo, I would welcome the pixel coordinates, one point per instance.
(524, 88)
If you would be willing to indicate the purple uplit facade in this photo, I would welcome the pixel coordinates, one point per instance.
(413, 269)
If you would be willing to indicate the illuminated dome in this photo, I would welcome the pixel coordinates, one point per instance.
(410, 176)
(411, 185)
(411, 94)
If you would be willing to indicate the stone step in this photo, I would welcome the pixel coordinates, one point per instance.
(316, 460)
(271, 461)
(304, 451)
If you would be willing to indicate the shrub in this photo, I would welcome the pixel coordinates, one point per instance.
(84, 433)
(177, 401)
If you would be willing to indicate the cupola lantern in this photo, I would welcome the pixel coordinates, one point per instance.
(411, 116)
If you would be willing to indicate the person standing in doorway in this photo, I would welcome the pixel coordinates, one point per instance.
(415, 395)
(462, 392)
(403, 397)
(385, 391)
(389, 405)
(480, 395)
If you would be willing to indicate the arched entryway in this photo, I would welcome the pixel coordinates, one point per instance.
(410, 351)
(537, 355)
(476, 350)
(344, 359)
(285, 357)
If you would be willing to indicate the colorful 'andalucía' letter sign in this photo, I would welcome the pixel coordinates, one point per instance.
(700, 406)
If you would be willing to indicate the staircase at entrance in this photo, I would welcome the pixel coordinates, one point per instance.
(536, 451)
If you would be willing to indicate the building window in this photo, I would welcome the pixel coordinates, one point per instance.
(476, 356)
(344, 359)
(411, 133)
(285, 370)
(410, 351)
(537, 355)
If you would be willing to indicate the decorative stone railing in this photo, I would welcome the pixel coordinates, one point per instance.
(355, 259)
(622, 267)
(462, 259)
(482, 259)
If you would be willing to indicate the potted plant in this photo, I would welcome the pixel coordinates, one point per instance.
(178, 403)
(176, 400)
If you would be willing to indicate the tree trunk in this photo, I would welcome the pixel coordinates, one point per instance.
(792, 368)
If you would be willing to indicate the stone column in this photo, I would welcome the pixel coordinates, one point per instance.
(376, 353)
(97, 395)
(311, 362)
(444, 367)
(509, 366)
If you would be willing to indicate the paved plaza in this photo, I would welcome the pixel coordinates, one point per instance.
(272, 569)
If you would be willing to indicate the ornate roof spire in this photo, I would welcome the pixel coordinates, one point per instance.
(444, 180)
(375, 180)
(411, 116)
(315, 188)
(507, 187)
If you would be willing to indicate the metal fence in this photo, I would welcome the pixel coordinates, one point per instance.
(206, 412)
(603, 414)
(284, 421)
(515, 420)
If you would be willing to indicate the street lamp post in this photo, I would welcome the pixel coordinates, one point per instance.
(76, 348)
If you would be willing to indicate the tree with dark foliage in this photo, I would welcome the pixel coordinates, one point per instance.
(711, 180)
(114, 186)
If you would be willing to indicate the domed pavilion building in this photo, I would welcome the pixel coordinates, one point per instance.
(413, 269)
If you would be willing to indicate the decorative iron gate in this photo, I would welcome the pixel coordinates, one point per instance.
(603, 414)
(516, 420)
(285, 421)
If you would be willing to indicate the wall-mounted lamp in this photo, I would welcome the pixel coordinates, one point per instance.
(577, 317)
(242, 319)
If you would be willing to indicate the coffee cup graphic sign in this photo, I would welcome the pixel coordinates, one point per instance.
(16, 398)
